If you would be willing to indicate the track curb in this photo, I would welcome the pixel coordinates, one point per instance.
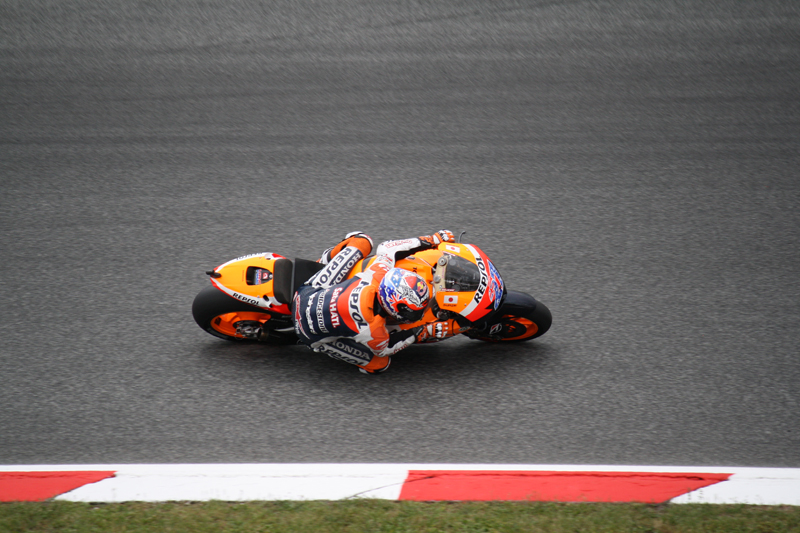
(418, 482)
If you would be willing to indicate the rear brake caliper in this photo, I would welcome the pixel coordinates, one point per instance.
(250, 329)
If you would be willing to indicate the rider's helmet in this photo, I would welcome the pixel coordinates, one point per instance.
(404, 295)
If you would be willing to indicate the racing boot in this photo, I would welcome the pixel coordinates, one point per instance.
(376, 366)
(357, 239)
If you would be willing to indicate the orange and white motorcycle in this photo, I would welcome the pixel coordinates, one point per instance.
(249, 298)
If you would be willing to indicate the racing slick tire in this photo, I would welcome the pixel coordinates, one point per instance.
(232, 320)
(520, 318)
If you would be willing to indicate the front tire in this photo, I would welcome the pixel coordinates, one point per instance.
(520, 318)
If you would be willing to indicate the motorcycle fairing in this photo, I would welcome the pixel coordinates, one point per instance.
(475, 302)
(490, 290)
(232, 279)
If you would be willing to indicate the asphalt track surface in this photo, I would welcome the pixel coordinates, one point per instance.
(634, 165)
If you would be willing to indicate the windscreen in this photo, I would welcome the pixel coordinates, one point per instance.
(461, 275)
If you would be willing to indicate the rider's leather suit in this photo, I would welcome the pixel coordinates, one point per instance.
(342, 317)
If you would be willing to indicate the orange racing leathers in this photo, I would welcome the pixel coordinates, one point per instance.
(342, 317)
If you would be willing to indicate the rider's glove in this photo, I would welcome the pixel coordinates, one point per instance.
(437, 238)
(436, 331)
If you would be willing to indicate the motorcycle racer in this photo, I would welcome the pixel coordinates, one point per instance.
(347, 318)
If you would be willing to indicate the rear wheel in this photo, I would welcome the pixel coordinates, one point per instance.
(520, 318)
(229, 319)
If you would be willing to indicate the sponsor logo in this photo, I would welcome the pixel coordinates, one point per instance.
(495, 329)
(352, 350)
(348, 267)
(321, 311)
(496, 288)
(484, 283)
(418, 286)
(334, 309)
(245, 299)
(309, 320)
(497, 285)
(262, 276)
(338, 268)
(394, 244)
(245, 257)
(345, 352)
(242, 258)
(355, 311)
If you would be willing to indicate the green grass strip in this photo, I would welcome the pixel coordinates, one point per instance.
(380, 516)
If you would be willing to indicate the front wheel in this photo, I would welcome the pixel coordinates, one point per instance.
(229, 319)
(520, 318)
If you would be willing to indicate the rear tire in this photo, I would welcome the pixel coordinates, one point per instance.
(520, 318)
(219, 314)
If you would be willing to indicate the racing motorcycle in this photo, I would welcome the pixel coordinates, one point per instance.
(250, 297)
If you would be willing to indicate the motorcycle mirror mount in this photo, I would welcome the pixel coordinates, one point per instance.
(214, 274)
(461, 235)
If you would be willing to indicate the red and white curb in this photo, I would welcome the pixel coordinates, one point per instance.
(419, 482)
